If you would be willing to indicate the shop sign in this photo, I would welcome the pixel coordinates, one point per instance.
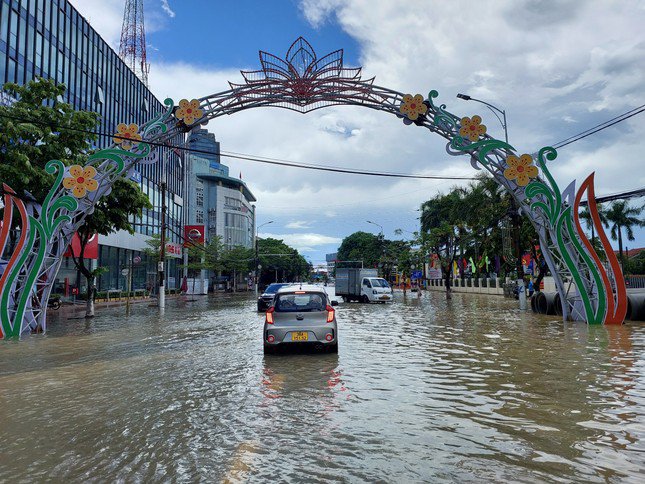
(173, 250)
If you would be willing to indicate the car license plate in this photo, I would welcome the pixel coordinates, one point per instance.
(384, 297)
(299, 336)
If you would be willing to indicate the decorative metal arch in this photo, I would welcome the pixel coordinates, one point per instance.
(302, 82)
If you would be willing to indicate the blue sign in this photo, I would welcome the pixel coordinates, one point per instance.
(417, 275)
(135, 176)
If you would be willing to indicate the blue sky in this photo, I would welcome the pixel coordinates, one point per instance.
(557, 68)
(237, 30)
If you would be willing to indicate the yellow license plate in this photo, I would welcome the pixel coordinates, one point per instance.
(299, 336)
(384, 297)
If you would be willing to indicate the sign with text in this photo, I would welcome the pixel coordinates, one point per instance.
(173, 250)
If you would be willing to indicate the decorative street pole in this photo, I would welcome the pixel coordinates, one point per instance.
(515, 215)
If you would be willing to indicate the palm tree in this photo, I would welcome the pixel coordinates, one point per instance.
(622, 216)
(586, 216)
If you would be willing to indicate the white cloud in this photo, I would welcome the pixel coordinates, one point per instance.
(308, 242)
(556, 68)
(166, 8)
(298, 224)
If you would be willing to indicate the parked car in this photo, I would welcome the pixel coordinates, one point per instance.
(301, 314)
(266, 299)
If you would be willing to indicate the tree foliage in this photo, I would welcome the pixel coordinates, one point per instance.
(37, 128)
(622, 216)
(467, 222)
(361, 246)
(277, 257)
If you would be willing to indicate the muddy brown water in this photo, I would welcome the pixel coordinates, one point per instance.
(422, 390)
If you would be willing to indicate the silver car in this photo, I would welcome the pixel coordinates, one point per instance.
(301, 314)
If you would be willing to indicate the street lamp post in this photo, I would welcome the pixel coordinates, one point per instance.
(257, 256)
(515, 216)
(381, 236)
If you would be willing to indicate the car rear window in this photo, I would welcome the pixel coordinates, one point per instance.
(273, 288)
(306, 302)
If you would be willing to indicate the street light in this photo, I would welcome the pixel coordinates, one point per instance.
(494, 110)
(257, 259)
(514, 208)
(381, 238)
(378, 225)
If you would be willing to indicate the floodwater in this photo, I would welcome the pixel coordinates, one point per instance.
(422, 390)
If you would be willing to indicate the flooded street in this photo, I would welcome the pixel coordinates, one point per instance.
(421, 390)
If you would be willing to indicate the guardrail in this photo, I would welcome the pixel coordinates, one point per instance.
(635, 282)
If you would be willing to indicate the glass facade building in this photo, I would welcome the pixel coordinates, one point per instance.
(50, 39)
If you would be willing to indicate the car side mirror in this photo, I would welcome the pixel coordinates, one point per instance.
(334, 303)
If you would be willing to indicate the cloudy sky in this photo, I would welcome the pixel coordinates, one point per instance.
(556, 67)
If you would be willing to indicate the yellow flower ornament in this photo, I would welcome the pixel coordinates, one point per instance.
(126, 134)
(189, 111)
(472, 128)
(413, 106)
(81, 180)
(520, 169)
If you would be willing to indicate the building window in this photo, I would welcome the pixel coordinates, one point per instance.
(99, 97)
(232, 202)
(199, 216)
(200, 197)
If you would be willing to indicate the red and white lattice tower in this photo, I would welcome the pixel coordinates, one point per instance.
(133, 39)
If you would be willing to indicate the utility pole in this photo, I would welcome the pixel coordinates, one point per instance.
(130, 267)
(162, 248)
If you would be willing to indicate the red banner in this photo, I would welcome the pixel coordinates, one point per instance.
(91, 249)
(193, 234)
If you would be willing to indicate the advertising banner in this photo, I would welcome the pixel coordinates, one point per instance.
(173, 250)
(193, 234)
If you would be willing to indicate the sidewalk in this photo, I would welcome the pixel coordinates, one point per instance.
(78, 309)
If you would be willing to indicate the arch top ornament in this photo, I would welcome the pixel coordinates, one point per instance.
(589, 290)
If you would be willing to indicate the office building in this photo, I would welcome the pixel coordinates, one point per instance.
(50, 39)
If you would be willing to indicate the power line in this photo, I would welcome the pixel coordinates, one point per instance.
(639, 192)
(253, 158)
(618, 119)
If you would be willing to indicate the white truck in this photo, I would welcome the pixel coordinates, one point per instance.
(362, 285)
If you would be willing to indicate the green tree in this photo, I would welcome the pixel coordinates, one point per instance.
(442, 219)
(362, 246)
(37, 128)
(213, 253)
(621, 216)
(197, 262)
(277, 258)
(586, 216)
(237, 260)
(154, 248)
(111, 213)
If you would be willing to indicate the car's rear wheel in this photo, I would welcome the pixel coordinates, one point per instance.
(364, 299)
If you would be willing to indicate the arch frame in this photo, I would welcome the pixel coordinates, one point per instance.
(301, 82)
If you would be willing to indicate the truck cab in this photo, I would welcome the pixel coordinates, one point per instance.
(375, 289)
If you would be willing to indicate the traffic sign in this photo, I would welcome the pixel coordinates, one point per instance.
(124, 272)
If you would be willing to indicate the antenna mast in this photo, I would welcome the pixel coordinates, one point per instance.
(133, 40)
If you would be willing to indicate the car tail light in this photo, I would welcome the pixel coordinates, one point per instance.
(270, 315)
(270, 338)
(330, 313)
